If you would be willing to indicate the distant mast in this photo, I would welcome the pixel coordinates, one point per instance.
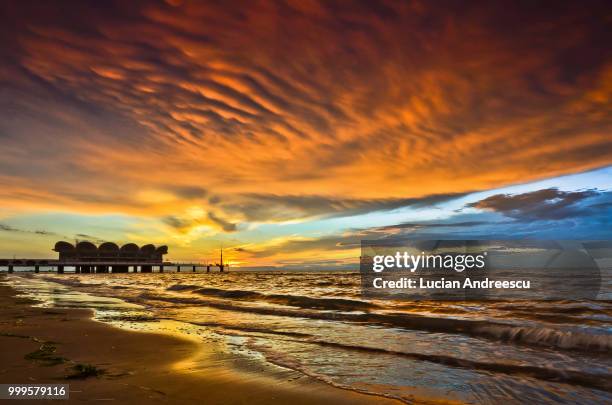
(221, 265)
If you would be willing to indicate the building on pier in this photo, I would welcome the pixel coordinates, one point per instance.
(108, 257)
(109, 252)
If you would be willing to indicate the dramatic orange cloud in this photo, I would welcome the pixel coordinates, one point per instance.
(215, 114)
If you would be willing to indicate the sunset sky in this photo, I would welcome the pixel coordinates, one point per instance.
(289, 131)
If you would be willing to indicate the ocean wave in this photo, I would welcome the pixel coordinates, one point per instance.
(543, 336)
(339, 304)
(253, 329)
(526, 335)
(592, 380)
(282, 360)
(562, 307)
(183, 287)
(585, 379)
(71, 282)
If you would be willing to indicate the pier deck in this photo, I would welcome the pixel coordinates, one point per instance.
(102, 266)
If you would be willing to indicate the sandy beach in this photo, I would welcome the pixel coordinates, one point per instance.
(48, 345)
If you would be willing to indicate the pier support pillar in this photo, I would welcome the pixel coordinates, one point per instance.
(10, 268)
(146, 269)
(221, 269)
(37, 269)
(134, 269)
(161, 269)
(102, 269)
(77, 269)
(60, 269)
(178, 269)
(120, 269)
(208, 268)
(194, 269)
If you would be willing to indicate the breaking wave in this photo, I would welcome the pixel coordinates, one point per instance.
(340, 304)
(564, 339)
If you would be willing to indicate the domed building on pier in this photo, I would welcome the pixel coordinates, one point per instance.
(109, 252)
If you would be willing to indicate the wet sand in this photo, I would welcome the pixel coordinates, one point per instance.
(136, 367)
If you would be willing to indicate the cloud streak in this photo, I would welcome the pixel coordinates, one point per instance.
(9, 228)
(550, 203)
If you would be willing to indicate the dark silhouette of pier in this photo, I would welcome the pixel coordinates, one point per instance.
(86, 257)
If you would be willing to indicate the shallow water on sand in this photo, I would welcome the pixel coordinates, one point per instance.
(320, 325)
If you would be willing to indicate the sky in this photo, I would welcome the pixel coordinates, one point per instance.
(288, 131)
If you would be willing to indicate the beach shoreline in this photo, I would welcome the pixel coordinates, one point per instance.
(45, 345)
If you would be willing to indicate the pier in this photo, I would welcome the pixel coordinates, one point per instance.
(85, 257)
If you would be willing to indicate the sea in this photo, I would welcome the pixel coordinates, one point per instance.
(319, 324)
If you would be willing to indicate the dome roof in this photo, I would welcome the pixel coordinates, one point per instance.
(162, 250)
(109, 247)
(86, 246)
(147, 249)
(62, 246)
(129, 248)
